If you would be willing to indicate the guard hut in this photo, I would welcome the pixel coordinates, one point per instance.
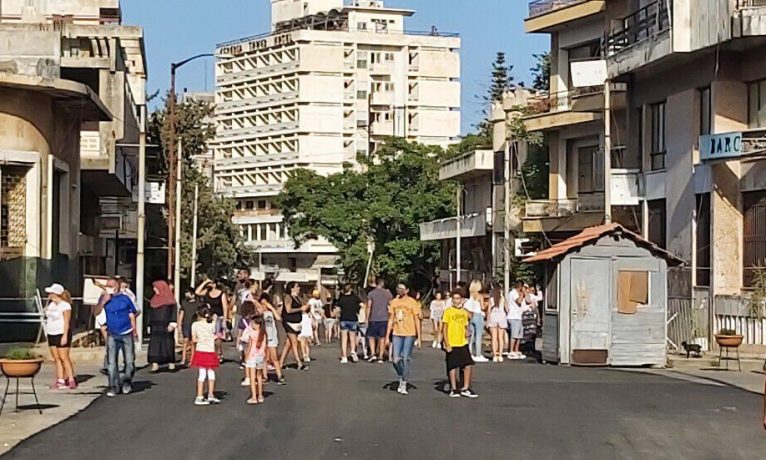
(606, 299)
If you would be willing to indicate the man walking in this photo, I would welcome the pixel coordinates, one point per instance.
(455, 324)
(120, 330)
(377, 319)
(404, 323)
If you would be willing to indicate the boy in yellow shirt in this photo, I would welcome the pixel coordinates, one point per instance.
(456, 331)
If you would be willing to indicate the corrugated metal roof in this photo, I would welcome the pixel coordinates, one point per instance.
(591, 235)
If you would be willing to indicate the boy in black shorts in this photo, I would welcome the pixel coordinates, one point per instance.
(456, 331)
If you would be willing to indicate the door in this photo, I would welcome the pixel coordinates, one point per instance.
(590, 310)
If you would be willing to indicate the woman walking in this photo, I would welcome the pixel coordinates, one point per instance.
(498, 323)
(163, 321)
(474, 306)
(58, 314)
(291, 321)
(213, 295)
(270, 317)
(437, 307)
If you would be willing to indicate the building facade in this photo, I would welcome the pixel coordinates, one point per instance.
(68, 198)
(329, 82)
(688, 107)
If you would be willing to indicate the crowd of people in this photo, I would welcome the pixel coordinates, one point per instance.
(375, 326)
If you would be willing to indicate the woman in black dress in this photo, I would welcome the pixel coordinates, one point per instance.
(291, 321)
(163, 321)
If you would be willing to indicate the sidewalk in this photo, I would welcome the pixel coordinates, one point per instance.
(57, 405)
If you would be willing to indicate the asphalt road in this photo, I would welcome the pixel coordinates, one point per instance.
(334, 411)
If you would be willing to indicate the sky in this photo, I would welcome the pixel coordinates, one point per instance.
(177, 29)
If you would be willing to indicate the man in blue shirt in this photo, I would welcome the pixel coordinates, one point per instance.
(120, 329)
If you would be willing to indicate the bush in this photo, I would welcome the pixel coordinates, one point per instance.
(727, 332)
(19, 353)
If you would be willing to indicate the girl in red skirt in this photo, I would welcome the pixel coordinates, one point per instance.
(204, 356)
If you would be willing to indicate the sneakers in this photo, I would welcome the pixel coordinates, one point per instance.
(480, 359)
(380, 361)
(469, 393)
(521, 356)
(111, 394)
(126, 388)
(281, 381)
(303, 367)
(402, 390)
(213, 400)
(372, 359)
(245, 383)
(306, 359)
(198, 401)
(495, 359)
(454, 394)
(344, 360)
(354, 357)
(72, 385)
(433, 345)
(60, 385)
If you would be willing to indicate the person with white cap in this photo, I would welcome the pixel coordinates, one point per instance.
(58, 314)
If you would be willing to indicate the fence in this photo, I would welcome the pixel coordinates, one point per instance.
(687, 319)
(733, 312)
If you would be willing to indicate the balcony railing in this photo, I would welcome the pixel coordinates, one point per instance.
(549, 208)
(541, 7)
(750, 3)
(647, 22)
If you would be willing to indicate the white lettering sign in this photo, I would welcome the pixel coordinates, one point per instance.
(716, 146)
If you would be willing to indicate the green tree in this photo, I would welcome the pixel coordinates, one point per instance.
(397, 188)
(500, 82)
(542, 72)
(468, 143)
(220, 248)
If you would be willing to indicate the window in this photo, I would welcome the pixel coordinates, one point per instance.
(262, 204)
(657, 222)
(589, 170)
(754, 235)
(706, 121)
(657, 120)
(248, 205)
(361, 25)
(756, 104)
(361, 94)
(361, 63)
(498, 171)
(239, 206)
(389, 57)
(703, 239)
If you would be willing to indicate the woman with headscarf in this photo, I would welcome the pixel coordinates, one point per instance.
(163, 321)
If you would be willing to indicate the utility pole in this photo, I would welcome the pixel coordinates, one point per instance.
(192, 281)
(607, 152)
(141, 221)
(177, 250)
(458, 244)
(507, 217)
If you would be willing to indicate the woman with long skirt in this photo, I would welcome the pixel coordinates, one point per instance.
(163, 321)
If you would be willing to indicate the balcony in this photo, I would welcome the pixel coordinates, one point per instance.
(106, 171)
(472, 225)
(642, 38)
(548, 15)
(468, 165)
(383, 128)
(382, 98)
(749, 19)
(555, 111)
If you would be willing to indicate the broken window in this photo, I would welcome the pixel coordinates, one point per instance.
(632, 291)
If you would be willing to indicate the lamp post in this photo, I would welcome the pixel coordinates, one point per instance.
(172, 160)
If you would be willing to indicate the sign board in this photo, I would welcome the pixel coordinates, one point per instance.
(588, 73)
(717, 146)
(239, 49)
(91, 292)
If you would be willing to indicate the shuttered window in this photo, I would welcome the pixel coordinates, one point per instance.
(754, 237)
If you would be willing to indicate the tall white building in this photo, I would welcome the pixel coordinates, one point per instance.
(329, 82)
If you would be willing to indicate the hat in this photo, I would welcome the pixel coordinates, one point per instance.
(55, 288)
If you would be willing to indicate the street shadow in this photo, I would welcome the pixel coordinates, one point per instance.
(393, 386)
(37, 406)
(139, 386)
(442, 386)
(83, 378)
(221, 395)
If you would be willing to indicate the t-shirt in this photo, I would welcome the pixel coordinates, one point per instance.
(189, 307)
(54, 317)
(514, 309)
(317, 308)
(457, 320)
(203, 334)
(118, 310)
(256, 351)
(379, 297)
(271, 325)
(405, 311)
(473, 306)
(349, 307)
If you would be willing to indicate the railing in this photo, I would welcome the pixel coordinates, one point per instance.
(750, 3)
(550, 208)
(541, 7)
(562, 100)
(430, 33)
(647, 22)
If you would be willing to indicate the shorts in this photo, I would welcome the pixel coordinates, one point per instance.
(220, 331)
(292, 328)
(497, 318)
(377, 329)
(55, 340)
(329, 323)
(352, 326)
(257, 363)
(459, 358)
(515, 328)
(437, 315)
(272, 341)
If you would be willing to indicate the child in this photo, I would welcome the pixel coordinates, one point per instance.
(270, 317)
(307, 333)
(255, 356)
(247, 309)
(204, 356)
(456, 322)
(317, 313)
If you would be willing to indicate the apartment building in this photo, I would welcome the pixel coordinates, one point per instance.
(330, 81)
(689, 109)
(69, 203)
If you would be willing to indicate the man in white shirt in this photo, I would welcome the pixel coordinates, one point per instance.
(516, 308)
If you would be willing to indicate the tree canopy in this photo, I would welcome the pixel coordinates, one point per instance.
(542, 72)
(383, 201)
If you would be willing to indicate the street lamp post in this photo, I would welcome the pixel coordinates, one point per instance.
(173, 159)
